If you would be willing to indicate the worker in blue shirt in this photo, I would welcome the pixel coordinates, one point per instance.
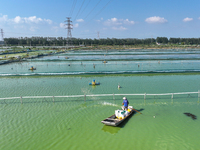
(125, 103)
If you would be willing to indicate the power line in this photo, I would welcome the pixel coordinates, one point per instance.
(93, 34)
(42, 35)
(73, 6)
(92, 9)
(85, 6)
(79, 9)
(101, 10)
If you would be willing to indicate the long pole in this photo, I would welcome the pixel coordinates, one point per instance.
(137, 111)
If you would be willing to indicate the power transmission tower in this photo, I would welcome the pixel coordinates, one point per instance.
(2, 33)
(98, 34)
(2, 36)
(69, 28)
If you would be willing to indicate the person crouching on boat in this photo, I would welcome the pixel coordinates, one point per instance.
(125, 103)
(93, 82)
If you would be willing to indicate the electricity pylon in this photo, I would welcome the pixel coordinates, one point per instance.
(69, 28)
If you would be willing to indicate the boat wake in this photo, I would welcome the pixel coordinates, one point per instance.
(110, 104)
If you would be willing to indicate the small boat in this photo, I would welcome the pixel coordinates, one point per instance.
(96, 83)
(32, 68)
(114, 121)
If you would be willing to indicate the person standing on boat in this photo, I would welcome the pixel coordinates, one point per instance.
(125, 103)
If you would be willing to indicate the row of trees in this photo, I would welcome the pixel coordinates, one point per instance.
(60, 41)
(187, 41)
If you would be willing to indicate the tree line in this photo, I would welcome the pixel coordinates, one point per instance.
(60, 41)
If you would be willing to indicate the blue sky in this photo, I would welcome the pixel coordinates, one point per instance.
(110, 18)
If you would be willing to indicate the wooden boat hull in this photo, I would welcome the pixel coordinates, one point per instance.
(113, 121)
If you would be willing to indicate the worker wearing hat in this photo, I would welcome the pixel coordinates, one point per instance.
(93, 82)
(125, 103)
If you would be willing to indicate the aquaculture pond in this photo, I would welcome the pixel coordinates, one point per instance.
(54, 107)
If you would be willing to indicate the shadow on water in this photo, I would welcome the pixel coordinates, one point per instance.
(191, 115)
(110, 129)
(114, 130)
(140, 109)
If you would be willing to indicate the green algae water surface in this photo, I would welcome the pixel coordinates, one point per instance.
(75, 122)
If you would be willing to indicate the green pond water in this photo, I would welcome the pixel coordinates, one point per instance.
(62, 123)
